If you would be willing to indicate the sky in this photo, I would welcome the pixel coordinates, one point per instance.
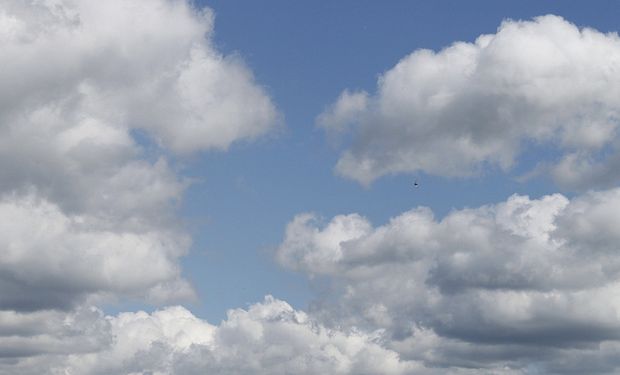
(227, 187)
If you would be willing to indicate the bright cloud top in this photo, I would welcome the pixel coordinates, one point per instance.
(470, 105)
(483, 285)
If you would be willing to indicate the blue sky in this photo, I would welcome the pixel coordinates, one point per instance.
(305, 54)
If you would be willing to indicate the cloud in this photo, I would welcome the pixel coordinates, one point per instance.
(347, 109)
(475, 105)
(139, 64)
(95, 99)
(88, 211)
(51, 260)
(268, 337)
(518, 282)
(49, 332)
(85, 165)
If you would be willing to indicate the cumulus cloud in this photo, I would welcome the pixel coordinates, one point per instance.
(145, 64)
(86, 165)
(51, 260)
(473, 105)
(87, 212)
(525, 280)
(80, 77)
(269, 337)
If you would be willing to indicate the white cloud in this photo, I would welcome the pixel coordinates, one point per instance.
(269, 337)
(51, 260)
(146, 64)
(86, 166)
(87, 211)
(523, 281)
(87, 214)
(346, 110)
(309, 249)
(472, 105)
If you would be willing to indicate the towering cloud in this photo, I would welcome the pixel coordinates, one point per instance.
(474, 105)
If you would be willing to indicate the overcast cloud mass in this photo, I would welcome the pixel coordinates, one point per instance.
(100, 99)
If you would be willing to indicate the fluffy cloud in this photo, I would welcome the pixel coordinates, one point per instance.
(143, 64)
(79, 78)
(87, 211)
(86, 165)
(269, 337)
(523, 281)
(51, 260)
(93, 95)
(472, 105)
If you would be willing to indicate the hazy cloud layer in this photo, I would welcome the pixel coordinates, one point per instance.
(523, 281)
(474, 105)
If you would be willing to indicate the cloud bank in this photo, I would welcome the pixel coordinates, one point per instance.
(527, 284)
(472, 106)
